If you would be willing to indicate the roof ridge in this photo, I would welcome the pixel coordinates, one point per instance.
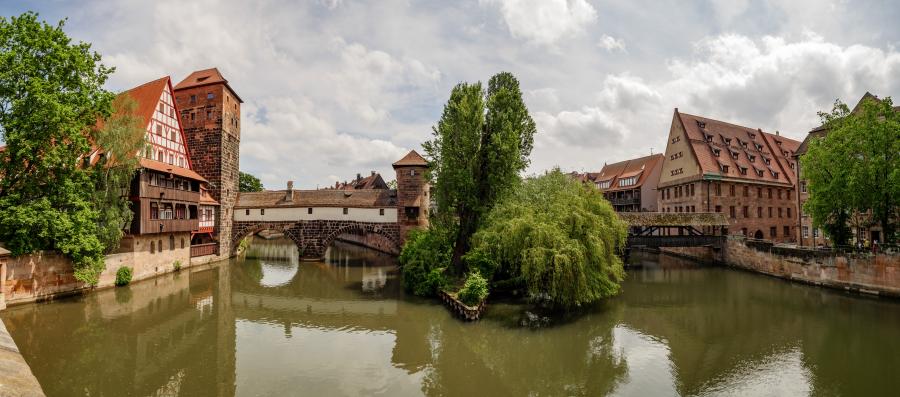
(145, 84)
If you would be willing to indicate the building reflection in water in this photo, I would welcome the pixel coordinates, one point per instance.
(268, 325)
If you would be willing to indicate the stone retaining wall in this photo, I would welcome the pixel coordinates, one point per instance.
(866, 273)
(16, 378)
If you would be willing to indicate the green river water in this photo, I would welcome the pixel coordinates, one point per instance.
(269, 326)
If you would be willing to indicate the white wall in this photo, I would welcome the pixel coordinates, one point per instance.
(319, 213)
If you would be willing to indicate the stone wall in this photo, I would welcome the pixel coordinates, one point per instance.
(314, 237)
(45, 275)
(874, 274)
(702, 254)
(370, 240)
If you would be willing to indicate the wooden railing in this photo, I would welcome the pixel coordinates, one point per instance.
(204, 249)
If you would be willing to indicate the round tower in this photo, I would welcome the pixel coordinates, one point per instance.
(412, 193)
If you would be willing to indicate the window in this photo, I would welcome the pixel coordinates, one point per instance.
(412, 172)
(805, 231)
(787, 231)
(731, 211)
(262, 211)
(153, 247)
(309, 210)
(790, 194)
(171, 243)
(731, 190)
(744, 232)
(803, 187)
(159, 130)
(604, 184)
(780, 210)
(192, 116)
(161, 109)
(789, 213)
(815, 232)
(770, 192)
(628, 181)
(743, 170)
(193, 100)
(716, 152)
(179, 211)
(746, 211)
(718, 189)
(159, 244)
(724, 169)
(751, 157)
(346, 211)
(209, 114)
(773, 232)
(182, 242)
(779, 194)
(759, 192)
(247, 212)
(381, 211)
(154, 211)
(770, 212)
(759, 212)
(718, 208)
(165, 212)
(210, 95)
(746, 189)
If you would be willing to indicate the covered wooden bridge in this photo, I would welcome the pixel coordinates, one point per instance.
(666, 229)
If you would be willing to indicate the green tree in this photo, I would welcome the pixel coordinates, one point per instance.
(249, 183)
(51, 97)
(481, 144)
(120, 137)
(855, 168)
(557, 237)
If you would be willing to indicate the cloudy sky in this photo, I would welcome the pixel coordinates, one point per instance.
(337, 87)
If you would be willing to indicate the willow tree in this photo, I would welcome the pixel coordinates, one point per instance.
(557, 238)
(481, 144)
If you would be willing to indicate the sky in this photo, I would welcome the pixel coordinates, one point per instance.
(333, 88)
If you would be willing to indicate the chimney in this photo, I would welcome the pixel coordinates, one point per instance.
(289, 195)
(373, 172)
(358, 177)
(777, 133)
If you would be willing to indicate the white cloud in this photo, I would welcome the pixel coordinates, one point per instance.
(545, 21)
(611, 44)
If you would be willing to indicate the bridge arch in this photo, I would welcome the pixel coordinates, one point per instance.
(315, 236)
(242, 230)
(389, 236)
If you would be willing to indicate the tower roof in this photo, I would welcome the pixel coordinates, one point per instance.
(412, 159)
(205, 77)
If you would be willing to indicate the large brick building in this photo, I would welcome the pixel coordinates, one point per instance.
(210, 111)
(745, 173)
(630, 185)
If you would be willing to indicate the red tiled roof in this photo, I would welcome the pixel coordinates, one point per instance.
(147, 96)
(411, 159)
(170, 169)
(640, 167)
(204, 77)
(743, 142)
(318, 198)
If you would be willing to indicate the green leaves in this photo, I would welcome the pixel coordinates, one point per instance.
(559, 236)
(51, 96)
(249, 183)
(854, 170)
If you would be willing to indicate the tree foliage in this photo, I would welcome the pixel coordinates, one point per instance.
(51, 96)
(474, 290)
(249, 183)
(481, 144)
(424, 259)
(855, 168)
(559, 237)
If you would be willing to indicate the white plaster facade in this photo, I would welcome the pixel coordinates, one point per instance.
(293, 214)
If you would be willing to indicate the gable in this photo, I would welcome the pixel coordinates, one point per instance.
(165, 137)
(680, 159)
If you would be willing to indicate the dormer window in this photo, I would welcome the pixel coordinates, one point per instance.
(778, 143)
(716, 152)
(766, 160)
(724, 168)
(628, 181)
(743, 170)
(604, 184)
(758, 147)
(734, 155)
(759, 173)
(709, 138)
(774, 174)
(792, 165)
(726, 140)
(751, 157)
(752, 135)
(701, 124)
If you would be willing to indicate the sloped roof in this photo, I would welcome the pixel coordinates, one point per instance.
(412, 158)
(147, 96)
(205, 77)
(744, 141)
(365, 198)
(170, 169)
(822, 130)
(640, 166)
(373, 181)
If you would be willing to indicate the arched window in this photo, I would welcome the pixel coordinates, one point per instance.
(153, 247)
(182, 242)
(171, 243)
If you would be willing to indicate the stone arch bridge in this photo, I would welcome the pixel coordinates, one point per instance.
(313, 237)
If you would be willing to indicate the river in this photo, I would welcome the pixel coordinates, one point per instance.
(269, 325)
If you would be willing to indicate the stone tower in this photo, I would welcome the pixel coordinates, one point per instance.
(412, 193)
(210, 114)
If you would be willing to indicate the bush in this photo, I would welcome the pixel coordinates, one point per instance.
(474, 290)
(176, 266)
(424, 258)
(123, 276)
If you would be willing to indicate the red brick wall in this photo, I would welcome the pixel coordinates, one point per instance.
(677, 198)
(412, 191)
(213, 138)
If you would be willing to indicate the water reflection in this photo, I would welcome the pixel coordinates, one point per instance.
(268, 325)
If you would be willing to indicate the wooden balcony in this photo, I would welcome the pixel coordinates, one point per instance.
(204, 249)
(169, 225)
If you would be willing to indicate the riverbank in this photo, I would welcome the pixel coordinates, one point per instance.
(864, 273)
(16, 378)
